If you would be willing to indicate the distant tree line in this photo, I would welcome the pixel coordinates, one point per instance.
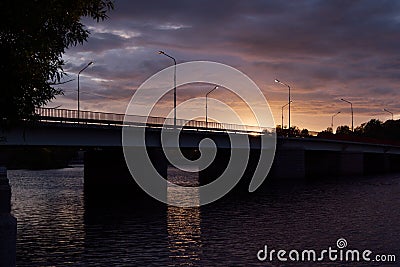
(388, 130)
(294, 131)
(376, 129)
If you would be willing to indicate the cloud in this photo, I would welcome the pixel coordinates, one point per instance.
(325, 49)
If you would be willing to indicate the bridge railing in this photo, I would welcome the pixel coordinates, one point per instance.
(93, 117)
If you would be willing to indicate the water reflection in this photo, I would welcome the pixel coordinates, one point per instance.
(184, 235)
(183, 224)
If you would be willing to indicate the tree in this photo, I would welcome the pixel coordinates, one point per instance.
(304, 133)
(279, 130)
(391, 129)
(343, 130)
(33, 37)
(294, 131)
(329, 130)
(326, 133)
(359, 130)
(373, 129)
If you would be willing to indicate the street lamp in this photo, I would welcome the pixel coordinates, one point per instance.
(352, 114)
(333, 116)
(165, 54)
(282, 112)
(79, 107)
(277, 81)
(216, 87)
(388, 112)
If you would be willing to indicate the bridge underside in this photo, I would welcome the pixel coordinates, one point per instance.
(106, 173)
(320, 164)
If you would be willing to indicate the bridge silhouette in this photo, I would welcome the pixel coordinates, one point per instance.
(294, 158)
(99, 135)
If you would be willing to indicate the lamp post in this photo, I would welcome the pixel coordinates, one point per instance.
(79, 107)
(352, 114)
(388, 112)
(215, 88)
(282, 112)
(289, 101)
(165, 54)
(333, 116)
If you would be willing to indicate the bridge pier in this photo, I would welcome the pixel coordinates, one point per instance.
(351, 163)
(289, 163)
(322, 164)
(8, 224)
(387, 163)
(220, 163)
(394, 162)
(376, 163)
(216, 168)
(107, 177)
(243, 185)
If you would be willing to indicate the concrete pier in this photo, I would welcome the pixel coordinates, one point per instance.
(107, 179)
(394, 162)
(220, 163)
(8, 224)
(376, 163)
(216, 168)
(329, 164)
(322, 164)
(289, 163)
(351, 164)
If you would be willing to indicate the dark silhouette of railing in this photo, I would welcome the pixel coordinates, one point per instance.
(104, 118)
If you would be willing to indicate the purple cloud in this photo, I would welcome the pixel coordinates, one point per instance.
(325, 49)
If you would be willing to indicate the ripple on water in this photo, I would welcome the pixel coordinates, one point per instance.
(56, 228)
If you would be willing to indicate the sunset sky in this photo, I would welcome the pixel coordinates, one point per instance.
(326, 50)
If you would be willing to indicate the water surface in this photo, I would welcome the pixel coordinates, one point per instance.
(57, 228)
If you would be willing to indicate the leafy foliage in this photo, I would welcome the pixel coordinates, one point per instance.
(376, 129)
(343, 130)
(33, 36)
(389, 130)
(293, 132)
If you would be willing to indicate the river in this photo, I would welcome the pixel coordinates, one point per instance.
(57, 228)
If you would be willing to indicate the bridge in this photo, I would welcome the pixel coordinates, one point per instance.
(99, 135)
(295, 158)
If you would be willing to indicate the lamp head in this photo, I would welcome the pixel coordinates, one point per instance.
(90, 63)
(161, 52)
(277, 81)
